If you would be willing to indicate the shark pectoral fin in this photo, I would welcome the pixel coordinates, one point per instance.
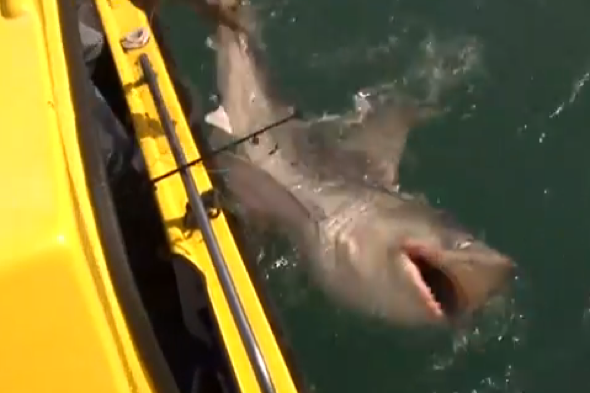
(219, 118)
(414, 115)
(259, 195)
(382, 137)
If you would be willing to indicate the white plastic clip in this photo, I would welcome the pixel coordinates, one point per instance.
(136, 39)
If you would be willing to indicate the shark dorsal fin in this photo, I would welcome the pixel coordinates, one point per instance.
(382, 136)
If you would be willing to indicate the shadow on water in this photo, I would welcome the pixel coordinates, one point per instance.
(509, 159)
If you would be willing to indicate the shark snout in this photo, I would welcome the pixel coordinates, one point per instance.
(461, 280)
(479, 276)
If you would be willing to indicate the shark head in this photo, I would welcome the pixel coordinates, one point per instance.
(399, 257)
(417, 266)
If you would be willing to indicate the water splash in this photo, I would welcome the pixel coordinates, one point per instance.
(537, 122)
(427, 69)
(501, 328)
(576, 89)
(438, 67)
(444, 64)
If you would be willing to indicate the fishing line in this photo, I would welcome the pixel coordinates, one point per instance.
(145, 183)
(251, 136)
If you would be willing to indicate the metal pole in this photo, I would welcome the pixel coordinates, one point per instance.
(198, 209)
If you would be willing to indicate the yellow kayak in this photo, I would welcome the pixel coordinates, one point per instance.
(78, 313)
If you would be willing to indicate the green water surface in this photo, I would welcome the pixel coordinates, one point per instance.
(510, 159)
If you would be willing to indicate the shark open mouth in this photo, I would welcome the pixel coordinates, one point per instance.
(437, 288)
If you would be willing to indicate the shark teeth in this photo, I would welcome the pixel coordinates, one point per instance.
(423, 288)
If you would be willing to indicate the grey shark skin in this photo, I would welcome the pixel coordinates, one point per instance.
(367, 246)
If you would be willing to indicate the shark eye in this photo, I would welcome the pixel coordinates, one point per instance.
(463, 244)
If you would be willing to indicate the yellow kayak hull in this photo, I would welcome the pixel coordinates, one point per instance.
(72, 319)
